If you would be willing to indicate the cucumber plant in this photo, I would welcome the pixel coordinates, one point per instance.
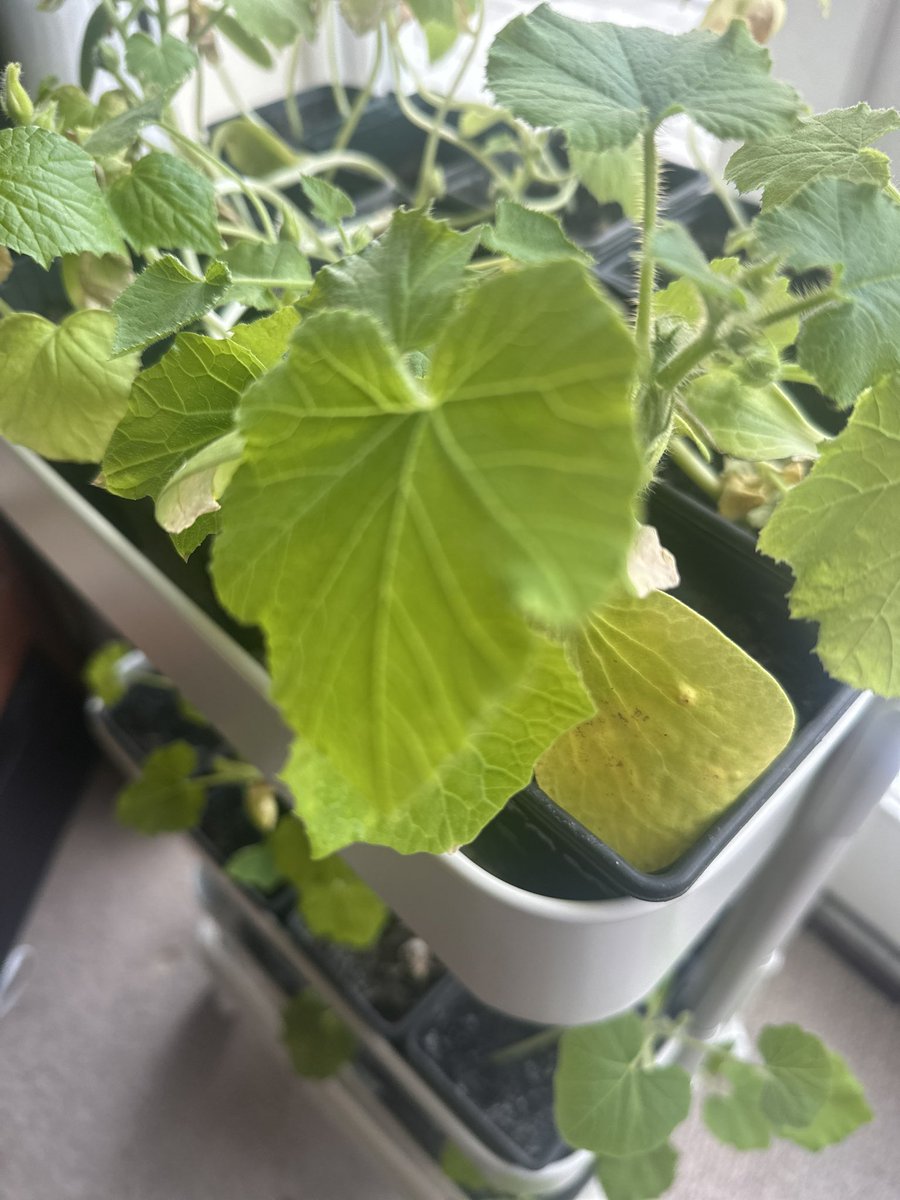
(417, 449)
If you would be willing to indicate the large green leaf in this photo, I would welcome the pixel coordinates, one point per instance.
(839, 533)
(737, 1118)
(638, 1176)
(685, 721)
(165, 798)
(753, 423)
(318, 1042)
(62, 393)
(164, 298)
(844, 1110)
(183, 404)
(799, 1074)
(392, 534)
(161, 66)
(334, 901)
(470, 789)
(50, 202)
(855, 229)
(604, 84)
(832, 145)
(409, 279)
(610, 1097)
(165, 202)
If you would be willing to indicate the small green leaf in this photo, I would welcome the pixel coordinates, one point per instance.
(854, 229)
(164, 298)
(63, 394)
(260, 270)
(832, 145)
(838, 531)
(638, 1176)
(185, 402)
(93, 282)
(165, 202)
(612, 176)
(50, 202)
(471, 787)
(250, 46)
(330, 204)
(607, 1100)
(756, 424)
(604, 84)
(160, 67)
(98, 25)
(195, 488)
(165, 798)
(738, 1119)
(799, 1073)
(318, 1042)
(685, 721)
(844, 1110)
(528, 236)
(101, 674)
(277, 21)
(334, 901)
(253, 148)
(437, 515)
(254, 866)
(676, 252)
(363, 15)
(123, 130)
(409, 280)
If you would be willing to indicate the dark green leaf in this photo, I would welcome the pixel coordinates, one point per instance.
(164, 298)
(254, 866)
(161, 67)
(528, 236)
(50, 203)
(123, 131)
(250, 46)
(165, 202)
(99, 24)
(259, 270)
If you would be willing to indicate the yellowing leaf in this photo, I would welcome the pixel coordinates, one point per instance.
(685, 722)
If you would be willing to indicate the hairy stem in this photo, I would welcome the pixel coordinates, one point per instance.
(643, 326)
(684, 457)
(337, 86)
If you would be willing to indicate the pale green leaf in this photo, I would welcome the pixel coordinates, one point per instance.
(363, 15)
(612, 176)
(831, 145)
(318, 1042)
(196, 487)
(737, 1118)
(165, 798)
(471, 787)
(261, 271)
(799, 1074)
(165, 202)
(528, 236)
(753, 423)
(333, 900)
(685, 722)
(856, 230)
(164, 298)
(162, 66)
(844, 1110)
(839, 533)
(101, 673)
(63, 394)
(433, 515)
(254, 148)
(50, 202)
(409, 280)
(603, 84)
(254, 866)
(676, 251)
(277, 21)
(608, 1100)
(123, 130)
(249, 45)
(330, 204)
(93, 282)
(638, 1176)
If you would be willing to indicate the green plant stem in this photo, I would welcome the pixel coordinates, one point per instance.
(429, 155)
(199, 100)
(678, 368)
(291, 107)
(694, 467)
(162, 15)
(338, 90)
(517, 1050)
(720, 188)
(643, 326)
(223, 169)
(330, 161)
(360, 104)
(800, 307)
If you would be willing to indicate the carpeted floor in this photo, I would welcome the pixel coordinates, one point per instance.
(121, 1080)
